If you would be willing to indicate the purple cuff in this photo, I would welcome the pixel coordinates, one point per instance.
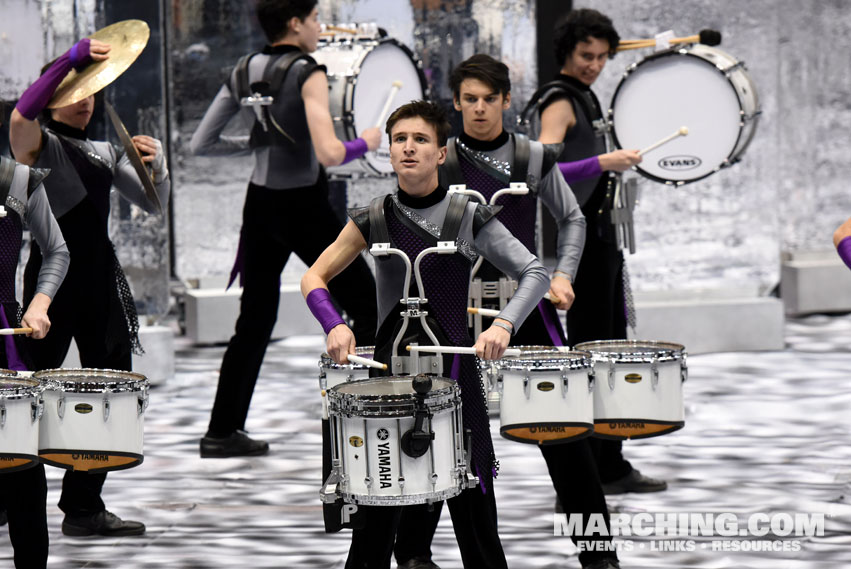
(36, 97)
(580, 169)
(844, 249)
(354, 149)
(320, 305)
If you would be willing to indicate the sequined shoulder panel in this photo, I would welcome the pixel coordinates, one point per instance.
(16, 205)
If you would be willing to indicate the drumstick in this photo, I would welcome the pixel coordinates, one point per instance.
(706, 37)
(366, 362)
(457, 350)
(382, 116)
(341, 29)
(14, 331)
(494, 313)
(683, 131)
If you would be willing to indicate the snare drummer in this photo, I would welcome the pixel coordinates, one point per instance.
(94, 305)
(23, 494)
(418, 134)
(286, 208)
(571, 113)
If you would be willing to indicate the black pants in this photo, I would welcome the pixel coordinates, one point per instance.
(79, 311)
(571, 466)
(24, 495)
(277, 223)
(473, 518)
(598, 313)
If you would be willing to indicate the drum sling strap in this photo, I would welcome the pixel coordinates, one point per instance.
(274, 76)
(452, 174)
(7, 172)
(574, 93)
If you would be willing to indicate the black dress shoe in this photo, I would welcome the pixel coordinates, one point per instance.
(237, 444)
(418, 563)
(634, 482)
(102, 523)
(603, 564)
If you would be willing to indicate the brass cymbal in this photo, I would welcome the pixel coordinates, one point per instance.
(127, 38)
(134, 156)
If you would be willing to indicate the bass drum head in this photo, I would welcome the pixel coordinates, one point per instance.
(386, 63)
(679, 88)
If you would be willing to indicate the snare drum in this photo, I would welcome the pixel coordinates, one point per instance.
(331, 373)
(93, 419)
(696, 86)
(361, 72)
(369, 419)
(639, 391)
(546, 396)
(20, 411)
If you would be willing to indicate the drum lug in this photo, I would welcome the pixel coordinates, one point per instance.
(323, 380)
(330, 491)
(612, 375)
(592, 379)
(105, 406)
(60, 407)
(654, 368)
(526, 381)
(2, 415)
(684, 369)
(143, 402)
(564, 384)
(402, 483)
(37, 410)
(368, 482)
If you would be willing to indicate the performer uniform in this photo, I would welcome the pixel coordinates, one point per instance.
(412, 225)
(286, 210)
(23, 493)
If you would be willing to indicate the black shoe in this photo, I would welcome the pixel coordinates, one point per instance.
(603, 564)
(102, 523)
(237, 444)
(418, 563)
(634, 482)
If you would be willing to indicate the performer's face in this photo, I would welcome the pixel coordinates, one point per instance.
(77, 115)
(415, 155)
(481, 109)
(307, 31)
(587, 60)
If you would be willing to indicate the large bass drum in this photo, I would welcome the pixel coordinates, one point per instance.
(361, 73)
(699, 87)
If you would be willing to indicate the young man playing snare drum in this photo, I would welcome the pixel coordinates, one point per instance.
(419, 215)
(286, 208)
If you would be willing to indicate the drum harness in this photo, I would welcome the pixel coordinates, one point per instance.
(503, 289)
(260, 96)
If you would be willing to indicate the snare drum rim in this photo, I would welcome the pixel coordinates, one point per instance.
(619, 350)
(126, 381)
(28, 389)
(748, 123)
(572, 360)
(8, 372)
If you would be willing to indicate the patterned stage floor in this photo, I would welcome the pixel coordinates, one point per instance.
(765, 432)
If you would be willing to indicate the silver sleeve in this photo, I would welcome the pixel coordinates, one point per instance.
(559, 199)
(128, 184)
(47, 234)
(207, 139)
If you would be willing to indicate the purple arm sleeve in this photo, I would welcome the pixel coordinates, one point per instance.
(39, 93)
(844, 249)
(320, 305)
(580, 169)
(354, 149)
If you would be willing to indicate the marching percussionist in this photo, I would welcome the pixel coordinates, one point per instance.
(282, 94)
(94, 305)
(23, 493)
(417, 216)
(571, 113)
(486, 158)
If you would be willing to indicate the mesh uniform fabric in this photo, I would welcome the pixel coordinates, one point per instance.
(11, 352)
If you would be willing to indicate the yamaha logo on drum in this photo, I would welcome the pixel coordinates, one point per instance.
(382, 434)
(678, 163)
(83, 408)
(632, 377)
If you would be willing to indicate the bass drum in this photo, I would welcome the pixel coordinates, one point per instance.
(361, 73)
(699, 87)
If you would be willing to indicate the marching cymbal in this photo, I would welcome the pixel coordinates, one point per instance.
(134, 156)
(127, 38)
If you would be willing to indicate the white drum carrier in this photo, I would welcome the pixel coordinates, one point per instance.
(639, 391)
(546, 395)
(361, 72)
(94, 418)
(697, 86)
(396, 441)
(20, 411)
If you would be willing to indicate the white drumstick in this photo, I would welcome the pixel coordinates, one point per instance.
(457, 350)
(14, 331)
(683, 131)
(366, 362)
(382, 116)
(483, 311)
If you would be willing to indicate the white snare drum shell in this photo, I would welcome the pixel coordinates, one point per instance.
(20, 411)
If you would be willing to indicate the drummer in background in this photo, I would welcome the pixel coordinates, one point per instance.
(23, 494)
(418, 133)
(486, 158)
(286, 208)
(571, 113)
(94, 305)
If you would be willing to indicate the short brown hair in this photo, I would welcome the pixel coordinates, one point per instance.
(430, 112)
(486, 69)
